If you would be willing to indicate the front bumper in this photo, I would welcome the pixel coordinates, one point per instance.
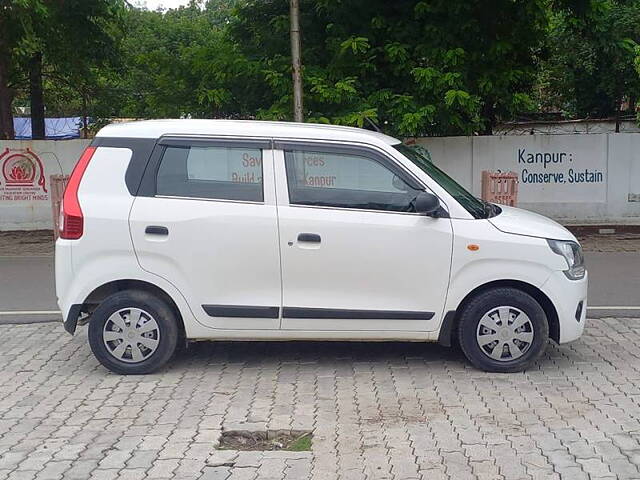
(570, 299)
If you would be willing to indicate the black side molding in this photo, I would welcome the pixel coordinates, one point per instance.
(445, 336)
(339, 314)
(71, 322)
(241, 311)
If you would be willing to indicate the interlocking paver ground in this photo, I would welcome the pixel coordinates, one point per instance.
(378, 411)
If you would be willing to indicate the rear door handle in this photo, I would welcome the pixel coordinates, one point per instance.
(156, 230)
(309, 237)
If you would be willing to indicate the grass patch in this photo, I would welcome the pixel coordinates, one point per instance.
(302, 444)
(296, 441)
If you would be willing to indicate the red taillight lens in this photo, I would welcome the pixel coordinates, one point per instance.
(71, 219)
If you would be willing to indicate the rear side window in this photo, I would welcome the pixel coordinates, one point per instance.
(335, 179)
(216, 172)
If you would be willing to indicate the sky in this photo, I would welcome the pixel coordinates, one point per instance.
(153, 4)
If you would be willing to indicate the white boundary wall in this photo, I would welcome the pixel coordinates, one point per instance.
(577, 179)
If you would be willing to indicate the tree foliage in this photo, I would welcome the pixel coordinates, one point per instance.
(71, 43)
(18, 21)
(417, 67)
(413, 67)
(182, 63)
(589, 71)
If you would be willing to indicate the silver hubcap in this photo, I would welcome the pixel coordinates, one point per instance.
(131, 335)
(505, 333)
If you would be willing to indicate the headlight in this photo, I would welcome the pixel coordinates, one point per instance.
(572, 253)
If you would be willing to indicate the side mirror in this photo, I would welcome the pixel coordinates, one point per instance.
(426, 204)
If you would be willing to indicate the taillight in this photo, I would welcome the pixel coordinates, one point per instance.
(71, 219)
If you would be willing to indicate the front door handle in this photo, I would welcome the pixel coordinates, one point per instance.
(156, 230)
(309, 237)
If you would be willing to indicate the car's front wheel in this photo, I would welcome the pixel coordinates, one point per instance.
(503, 330)
(133, 332)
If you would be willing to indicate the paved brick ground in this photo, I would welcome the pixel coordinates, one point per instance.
(378, 411)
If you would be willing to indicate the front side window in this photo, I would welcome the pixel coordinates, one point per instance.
(224, 173)
(345, 180)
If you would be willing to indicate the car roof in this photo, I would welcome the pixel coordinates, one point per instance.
(243, 128)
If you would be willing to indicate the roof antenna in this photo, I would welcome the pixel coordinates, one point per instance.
(373, 124)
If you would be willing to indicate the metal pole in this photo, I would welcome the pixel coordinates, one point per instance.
(296, 62)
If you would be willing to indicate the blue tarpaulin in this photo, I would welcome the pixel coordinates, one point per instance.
(55, 128)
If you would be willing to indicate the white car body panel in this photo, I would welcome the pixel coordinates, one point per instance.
(238, 253)
(216, 253)
(104, 200)
(367, 260)
(243, 128)
(500, 256)
(523, 222)
(565, 296)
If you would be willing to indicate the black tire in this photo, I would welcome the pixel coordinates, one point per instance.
(468, 330)
(167, 331)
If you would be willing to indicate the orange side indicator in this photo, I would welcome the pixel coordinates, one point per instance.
(473, 247)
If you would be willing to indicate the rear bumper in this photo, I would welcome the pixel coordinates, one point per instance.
(570, 299)
(64, 278)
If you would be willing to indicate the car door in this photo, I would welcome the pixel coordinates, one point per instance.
(205, 220)
(355, 257)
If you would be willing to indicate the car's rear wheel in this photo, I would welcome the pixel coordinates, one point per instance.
(503, 330)
(133, 332)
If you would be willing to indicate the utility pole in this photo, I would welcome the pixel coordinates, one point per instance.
(296, 62)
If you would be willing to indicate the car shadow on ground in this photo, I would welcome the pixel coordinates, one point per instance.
(346, 354)
(315, 351)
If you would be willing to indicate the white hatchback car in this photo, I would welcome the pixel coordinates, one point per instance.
(182, 230)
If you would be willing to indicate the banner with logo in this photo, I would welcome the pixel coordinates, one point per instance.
(23, 176)
(26, 167)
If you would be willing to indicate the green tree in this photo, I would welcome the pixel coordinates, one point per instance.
(414, 67)
(59, 45)
(589, 71)
(181, 63)
(79, 44)
(417, 67)
(17, 37)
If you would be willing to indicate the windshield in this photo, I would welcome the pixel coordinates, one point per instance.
(420, 157)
